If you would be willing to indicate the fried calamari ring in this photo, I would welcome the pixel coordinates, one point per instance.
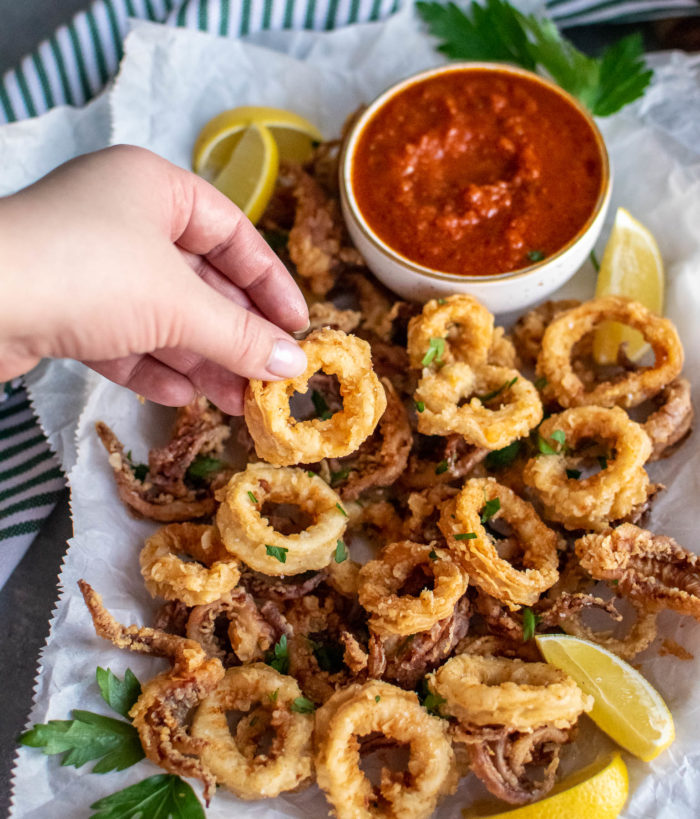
(501, 406)
(382, 580)
(286, 765)
(497, 691)
(612, 493)
(283, 441)
(159, 714)
(475, 550)
(376, 706)
(652, 569)
(250, 537)
(554, 360)
(167, 575)
(465, 326)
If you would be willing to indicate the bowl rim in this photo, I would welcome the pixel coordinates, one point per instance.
(350, 143)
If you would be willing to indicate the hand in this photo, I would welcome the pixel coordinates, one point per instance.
(150, 276)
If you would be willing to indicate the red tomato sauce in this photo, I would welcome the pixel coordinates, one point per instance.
(477, 172)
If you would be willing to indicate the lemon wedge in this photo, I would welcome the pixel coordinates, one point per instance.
(632, 267)
(627, 707)
(294, 136)
(598, 790)
(249, 176)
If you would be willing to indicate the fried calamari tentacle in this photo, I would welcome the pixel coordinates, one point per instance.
(378, 463)
(397, 715)
(502, 352)
(251, 537)
(495, 691)
(489, 406)
(248, 771)
(279, 589)
(211, 573)
(501, 762)
(326, 314)
(612, 493)
(651, 569)
(672, 421)
(635, 386)
(160, 712)
(410, 587)
(424, 513)
(529, 328)
(460, 322)
(162, 494)
(283, 441)
(463, 523)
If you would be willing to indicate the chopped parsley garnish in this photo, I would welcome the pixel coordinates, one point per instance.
(341, 509)
(320, 405)
(441, 467)
(274, 695)
(252, 497)
(429, 700)
(573, 473)
(339, 476)
(490, 508)
(341, 552)
(203, 467)
(500, 458)
(603, 461)
(594, 261)
(329, 655)
(442, 301)
(489, 396)
(420, 406)
(278, 657)
(530, 621)
(535, 255)
(432, 554)
(139, 470)
(301, 705)
(496, 31)
(541, 383)
(311, 474)
(278, 552)
(468, 535)
(377, 698)
(545, 448)
(436, 350)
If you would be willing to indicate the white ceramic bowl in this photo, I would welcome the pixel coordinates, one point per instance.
(501, 292)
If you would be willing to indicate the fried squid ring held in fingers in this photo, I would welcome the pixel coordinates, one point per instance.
(359, 710)
(496, 691)
(463, 324)
(501, 406)
(250, 537)
(652, 569)
(167, 575)
(554, 360)
(382, 581)
(474, 548)
(283, 441)
(234, 761)
(159, 715)
(612, 493)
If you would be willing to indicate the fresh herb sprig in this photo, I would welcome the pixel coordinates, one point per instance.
(496, 31)
(163, 795)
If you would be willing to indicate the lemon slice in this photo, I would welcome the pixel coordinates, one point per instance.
(598, 790)
(632, 267)
(249, 176)
(627, 707)
(294, 135)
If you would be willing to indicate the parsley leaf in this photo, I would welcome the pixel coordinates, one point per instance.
(320, 405)
(341, 509)
(573, 473)
(120, 695)
(467, 536)
(540, 383)
(252, 497)
(140, 470)
(490, 509)
(498, 31)
(489, 396)
(420, 406)
(429, 700)
(441, 467)
(341, 552)
(594, 261)
(278, 658)
(301, 705)
(500, 458)
(435, 352)
(603, 461)
(377, 698)
(278, 552)
(433, 555)
(535, 255)
(164, 796)
(329, 655)
(88, 736)
(203, 467)
(337, 477)
(545, 448)
(530, 621)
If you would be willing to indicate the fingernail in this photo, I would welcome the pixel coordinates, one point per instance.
(286, 359)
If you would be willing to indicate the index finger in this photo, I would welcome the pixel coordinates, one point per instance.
(208, 223)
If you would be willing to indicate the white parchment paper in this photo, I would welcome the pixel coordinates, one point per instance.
(170, 83)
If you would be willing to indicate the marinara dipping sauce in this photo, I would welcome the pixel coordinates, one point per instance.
(477, 172)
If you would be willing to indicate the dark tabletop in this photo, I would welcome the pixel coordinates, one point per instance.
(28, 598)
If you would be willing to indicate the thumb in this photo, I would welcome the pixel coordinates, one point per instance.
(239, 340)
